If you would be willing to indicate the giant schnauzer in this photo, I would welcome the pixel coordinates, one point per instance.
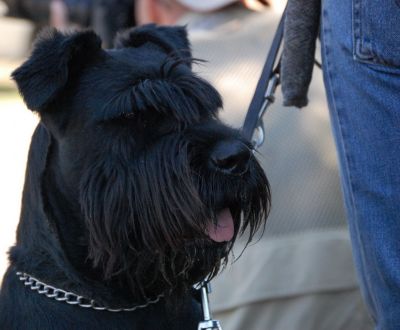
(134, 190)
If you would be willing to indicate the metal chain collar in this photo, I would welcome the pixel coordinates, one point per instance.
(73, 298)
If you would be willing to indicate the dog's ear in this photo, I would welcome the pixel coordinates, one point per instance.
(171, 39)
(55, 59)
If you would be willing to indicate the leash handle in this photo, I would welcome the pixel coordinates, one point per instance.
(264, 94)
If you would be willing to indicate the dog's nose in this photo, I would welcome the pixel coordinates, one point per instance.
(231, 157)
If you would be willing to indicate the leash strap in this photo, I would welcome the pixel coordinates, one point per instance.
(264, 93)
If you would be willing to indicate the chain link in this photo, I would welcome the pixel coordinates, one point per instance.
(73, 298)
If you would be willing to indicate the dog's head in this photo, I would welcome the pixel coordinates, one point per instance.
(163, 188)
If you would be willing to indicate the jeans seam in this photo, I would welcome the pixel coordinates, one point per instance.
(340, 131)
(355, 25)
(340, 144)
(363, 51)
(359, 53)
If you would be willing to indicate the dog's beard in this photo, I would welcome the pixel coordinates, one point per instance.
(147, 216)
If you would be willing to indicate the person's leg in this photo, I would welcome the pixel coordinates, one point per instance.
(361, 61)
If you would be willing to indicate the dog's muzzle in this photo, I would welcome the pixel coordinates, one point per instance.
(231, 157)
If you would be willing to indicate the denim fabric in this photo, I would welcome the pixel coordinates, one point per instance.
(361, 62)
(376, 30)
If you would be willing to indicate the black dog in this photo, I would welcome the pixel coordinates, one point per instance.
(134, 189)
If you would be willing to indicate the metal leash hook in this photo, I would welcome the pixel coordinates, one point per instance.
(269, 97)
(207, 323)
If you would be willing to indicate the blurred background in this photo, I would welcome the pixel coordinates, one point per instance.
(300, 274)
(16, 126)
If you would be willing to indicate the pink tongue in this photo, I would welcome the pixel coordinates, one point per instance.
(223, 231)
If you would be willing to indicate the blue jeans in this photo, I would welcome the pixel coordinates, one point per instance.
(361, 63)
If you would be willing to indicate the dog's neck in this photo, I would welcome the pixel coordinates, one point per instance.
(62, 209)
(41, 248)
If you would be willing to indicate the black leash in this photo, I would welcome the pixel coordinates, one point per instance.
(264, 94)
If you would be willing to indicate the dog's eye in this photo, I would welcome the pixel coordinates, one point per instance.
(127, 115)
(150, 118)
(121, 118)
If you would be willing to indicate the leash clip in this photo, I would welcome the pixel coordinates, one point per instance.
(207, 323)
(269, 97)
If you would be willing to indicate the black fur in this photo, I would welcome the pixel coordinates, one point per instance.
(126, 170)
